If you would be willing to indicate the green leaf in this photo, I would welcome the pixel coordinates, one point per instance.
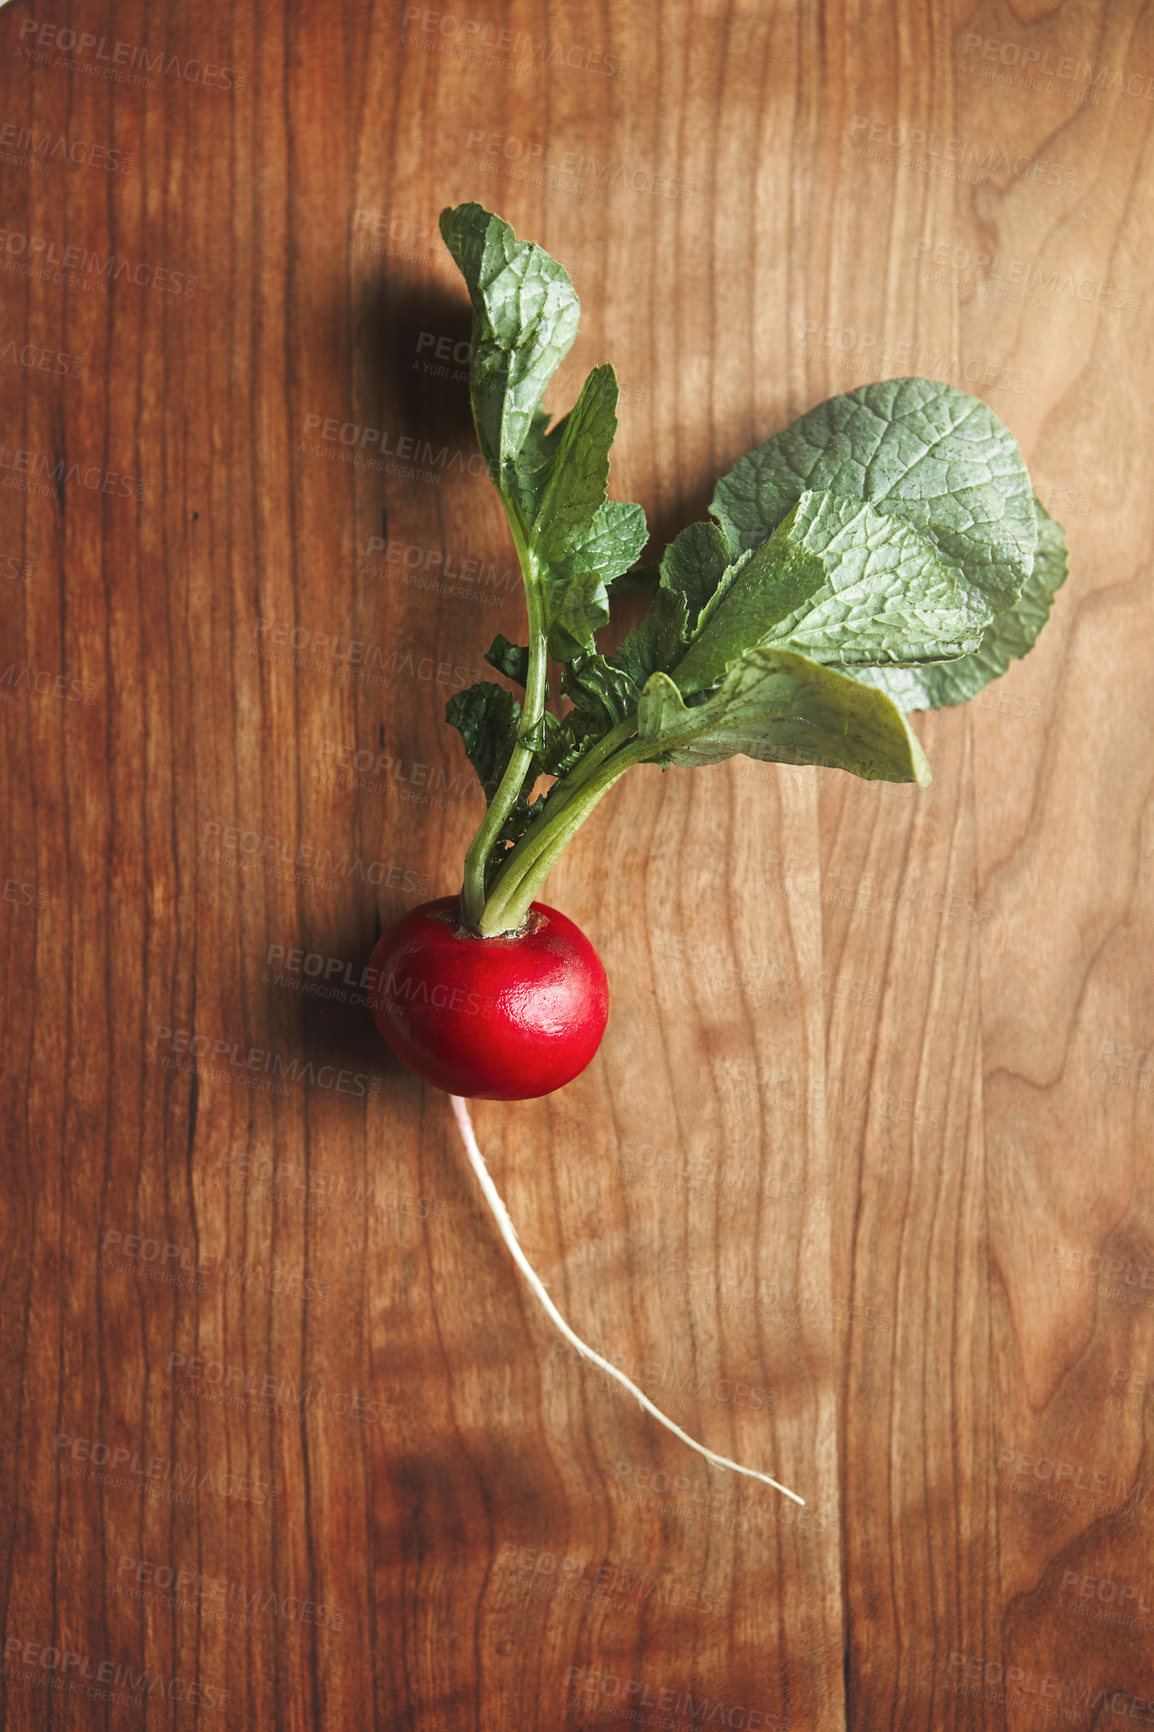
(510, 659)
(691, 569)
(525, 314)
(640, 579)
(552, 482)
(522, 815)
(915, 449)
(840, 582)
(487, 717)
(881, 554)
(567, 741)
(779, 706)
(522, 482)
(694, 565)
(657, 643)
(571, 540)
(600, 689)
(1009, 635)
(574, 596)
(577, 474)
(580, 539)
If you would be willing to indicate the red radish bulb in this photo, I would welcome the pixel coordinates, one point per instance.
(506, 1018)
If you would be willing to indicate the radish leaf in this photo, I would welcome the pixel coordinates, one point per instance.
(510, 659)
(915, 449)
(574, 596)
(486, 716)
(1009, 635)
(599, 688)
(778, 706)
(840, 582)
(883, 553)
(572, 539)
(525, 314)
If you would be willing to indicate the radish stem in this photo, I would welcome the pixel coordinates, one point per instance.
(503, 800)
(530, 862)
(501, 1215)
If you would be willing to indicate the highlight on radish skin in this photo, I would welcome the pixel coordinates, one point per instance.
(505, 1227)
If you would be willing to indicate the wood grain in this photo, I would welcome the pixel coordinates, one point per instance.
(858, 1186)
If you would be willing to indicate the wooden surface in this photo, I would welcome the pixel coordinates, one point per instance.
(859, 1184)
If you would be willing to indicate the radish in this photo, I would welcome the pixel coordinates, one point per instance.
(499, 1019)
(883, 554)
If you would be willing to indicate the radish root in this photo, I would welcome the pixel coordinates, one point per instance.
(501, 1215)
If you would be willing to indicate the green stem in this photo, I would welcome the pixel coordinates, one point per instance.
(503, 801)
(560, 795)
(593, 759)
(525, 851)
(535, 855)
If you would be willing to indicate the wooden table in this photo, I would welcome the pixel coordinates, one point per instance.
(859, 1184)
